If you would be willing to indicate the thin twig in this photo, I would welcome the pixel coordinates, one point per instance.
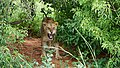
(24, 61)
(89, 46)
(65, 52)
(70, 54)
(81, 56)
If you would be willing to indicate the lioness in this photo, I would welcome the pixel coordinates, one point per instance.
(48, 32)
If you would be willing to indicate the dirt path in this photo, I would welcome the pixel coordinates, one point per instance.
(32, 48)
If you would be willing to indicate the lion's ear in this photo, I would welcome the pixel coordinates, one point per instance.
(44, 23)
(56, 23)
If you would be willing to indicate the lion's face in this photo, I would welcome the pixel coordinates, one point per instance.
(50, 29)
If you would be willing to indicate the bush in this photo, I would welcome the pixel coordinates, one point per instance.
(9, 35)
(97, 21)
(15, 60)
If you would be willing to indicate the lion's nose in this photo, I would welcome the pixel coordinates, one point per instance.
(50, 32)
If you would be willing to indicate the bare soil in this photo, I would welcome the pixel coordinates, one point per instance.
(32, 48)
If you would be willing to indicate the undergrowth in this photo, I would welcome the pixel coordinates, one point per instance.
(88, 27)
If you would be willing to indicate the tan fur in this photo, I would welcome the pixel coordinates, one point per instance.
(48, 32)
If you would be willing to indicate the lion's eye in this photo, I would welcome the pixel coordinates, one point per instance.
(49, 28)
(53, 27)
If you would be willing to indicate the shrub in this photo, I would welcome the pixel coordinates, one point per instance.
(97, 21)
(15, 60)
(9, 35)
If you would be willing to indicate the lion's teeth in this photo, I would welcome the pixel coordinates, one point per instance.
(50, 36)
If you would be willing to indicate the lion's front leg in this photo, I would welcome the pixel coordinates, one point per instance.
(44, 44)
(57, 56)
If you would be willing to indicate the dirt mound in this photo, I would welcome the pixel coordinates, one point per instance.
(32, 48)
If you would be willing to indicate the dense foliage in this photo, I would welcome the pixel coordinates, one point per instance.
(93, 26)
(12, 61)
(11, 32)
(98, 21)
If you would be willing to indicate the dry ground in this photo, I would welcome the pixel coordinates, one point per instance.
(32, 48)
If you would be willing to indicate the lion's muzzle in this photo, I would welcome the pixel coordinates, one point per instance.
(51, 36)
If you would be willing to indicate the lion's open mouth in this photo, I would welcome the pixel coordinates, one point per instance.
(50, 36)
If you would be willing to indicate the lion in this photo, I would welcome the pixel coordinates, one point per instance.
(48, 32)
